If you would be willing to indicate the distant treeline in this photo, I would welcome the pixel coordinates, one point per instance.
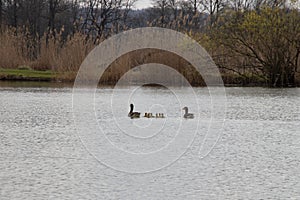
(252, 41)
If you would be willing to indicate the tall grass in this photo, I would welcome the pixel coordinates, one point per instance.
(62, 55)
(12, 52)
(19, 49)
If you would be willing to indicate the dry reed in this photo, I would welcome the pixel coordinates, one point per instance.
(12, 49)
(61, 55)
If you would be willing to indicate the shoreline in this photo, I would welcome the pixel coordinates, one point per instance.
(49, 77)
(62, 84)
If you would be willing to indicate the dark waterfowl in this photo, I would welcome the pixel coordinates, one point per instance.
(188, 115)
(132, 114)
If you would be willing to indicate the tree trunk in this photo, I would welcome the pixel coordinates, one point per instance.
(15, 14)
(281, 78)
(51, 20)
(1, 5)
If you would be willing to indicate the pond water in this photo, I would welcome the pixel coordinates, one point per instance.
(42, 155)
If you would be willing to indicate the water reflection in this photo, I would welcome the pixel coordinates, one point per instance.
(258, 156)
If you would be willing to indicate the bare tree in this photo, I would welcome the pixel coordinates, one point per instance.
(32, 12)
(1, 16)
(54, 7)
(122, 14)
(174, 5)
(214, 8)
(75, 9)
(258, 4)
(241, 4)
(162, 6)
(265, 43)
(102, 15)
(195, 4)
(12, 11)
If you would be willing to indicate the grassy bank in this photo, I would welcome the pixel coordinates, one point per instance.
(16, 75)
(26, 75)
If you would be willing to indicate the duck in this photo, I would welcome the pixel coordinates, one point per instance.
(188, 115)
(132, 114)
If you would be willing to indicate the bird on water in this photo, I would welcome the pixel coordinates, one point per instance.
(188, 115)
(132, 114)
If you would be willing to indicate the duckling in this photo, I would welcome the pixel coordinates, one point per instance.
(148, 115)
(159, 115)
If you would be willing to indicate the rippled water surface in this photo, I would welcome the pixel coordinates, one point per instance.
(257, 155)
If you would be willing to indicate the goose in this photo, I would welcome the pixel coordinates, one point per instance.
(188, 115)
(132, 114)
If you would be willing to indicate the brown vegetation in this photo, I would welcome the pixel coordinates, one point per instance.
(146, 56)
(252, 42)
(59, 55)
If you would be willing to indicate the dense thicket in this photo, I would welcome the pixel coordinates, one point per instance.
(255, 41)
